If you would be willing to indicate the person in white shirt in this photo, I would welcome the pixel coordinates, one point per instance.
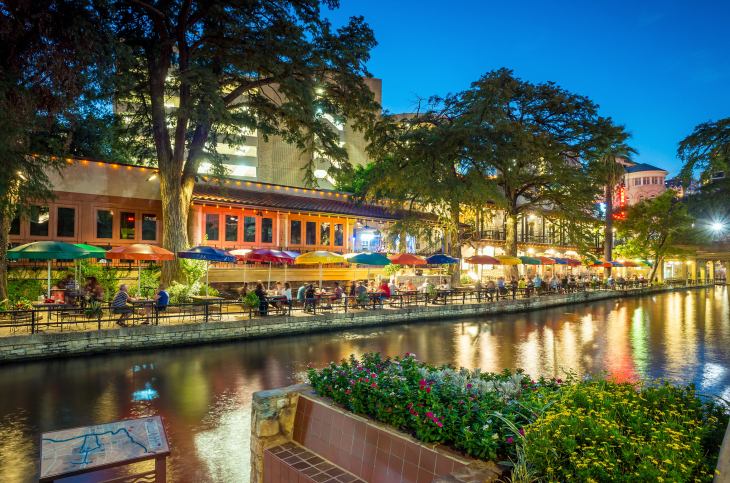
(393, 287)
(423, 288)
(286, 292)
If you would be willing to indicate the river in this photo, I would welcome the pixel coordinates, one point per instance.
(204, 392)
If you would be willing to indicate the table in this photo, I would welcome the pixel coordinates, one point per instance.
(76, 451)
(50, 307)
(207, 300)
(274, 299)
(142, 303)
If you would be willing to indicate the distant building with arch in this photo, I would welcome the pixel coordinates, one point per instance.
(641, 181)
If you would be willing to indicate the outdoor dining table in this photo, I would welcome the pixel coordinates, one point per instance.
(207, 300)
(141, 303)
(49, 307)
(274, 299)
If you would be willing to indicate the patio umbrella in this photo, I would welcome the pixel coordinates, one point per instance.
(139, 252)
(209, 254)
(263, 255)
(47, 250)
(530, 261)
(507, 260)
(546, 260)
(240, 256)
(562, 261)
(617, 264)
(601, 263)
(441, 259)
(643, 263)
(96, 252)
(630, 264)
(408, 259)
(376, 259)
(482, 260)
(292, 254)
(320, 257)
(571, 262)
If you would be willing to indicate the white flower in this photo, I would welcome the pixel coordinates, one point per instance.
(495, 436)
(485, 427)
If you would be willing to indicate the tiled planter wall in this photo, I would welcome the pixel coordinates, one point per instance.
(328, 444)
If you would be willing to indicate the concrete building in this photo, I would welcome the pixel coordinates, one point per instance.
(641, 181)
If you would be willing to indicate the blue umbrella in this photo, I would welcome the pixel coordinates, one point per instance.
(441, 259)
(209, 254)
(560, 261)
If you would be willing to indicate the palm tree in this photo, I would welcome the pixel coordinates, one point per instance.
(616, 148)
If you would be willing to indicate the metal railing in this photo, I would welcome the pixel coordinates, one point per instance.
(54, 318)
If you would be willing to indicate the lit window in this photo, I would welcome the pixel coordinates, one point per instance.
(249, 229)
(311, 233)
(126, 226)
(339, 235)
(39, 216)
(231, 228)
(295, 234)
(149, 227)
(267, 230)
(211, 226)
(104, 224)
(325, 234)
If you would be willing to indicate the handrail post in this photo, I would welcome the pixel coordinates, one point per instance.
(346, 303)
(32, 322)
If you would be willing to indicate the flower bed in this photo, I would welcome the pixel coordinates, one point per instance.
(573, 430)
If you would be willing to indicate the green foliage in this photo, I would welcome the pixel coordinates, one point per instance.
(251, 300)
(606, 430)
(392, 269)
(180, 293)
(706, 150)
(107, 277)
(25, 288)
(655, 228)
(438, 404)
(150, 278)
(465, 279)
(193, 269)
(93, 310)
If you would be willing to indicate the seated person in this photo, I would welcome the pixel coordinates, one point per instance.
(384, 292)
(94, 290)
(337, 292)
(528, 286)
(410, 287)
(392, 287)
(491, 288)
(286, 292)
(161, 298)
(309, 298)
(263, 304)
(443, 289)
(361, 291)
(301, 292)
(522, 286)
(119, 305)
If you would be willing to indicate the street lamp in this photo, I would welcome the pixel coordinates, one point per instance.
(718, 227)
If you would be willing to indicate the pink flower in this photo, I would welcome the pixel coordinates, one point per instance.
(440, 425)
(373, 385)
(410, 405)
(429, 414)
(468, 386)
(348, 391)
(428, 389)
(522, 432)
(510, 440)
(366, 380)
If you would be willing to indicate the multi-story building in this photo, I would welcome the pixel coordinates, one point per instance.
(677, 185)
(642, 181)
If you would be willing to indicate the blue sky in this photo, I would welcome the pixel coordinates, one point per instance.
(661, 68)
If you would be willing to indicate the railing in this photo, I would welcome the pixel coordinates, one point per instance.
(43, 319)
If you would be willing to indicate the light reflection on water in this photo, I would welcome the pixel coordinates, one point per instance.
(204, 392)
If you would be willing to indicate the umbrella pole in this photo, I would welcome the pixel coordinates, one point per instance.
(320, 276)
(49, 278)
(368, 275)
(139, 275)
(245, 263)
(286, 265)
(207, 264)
(268, 286)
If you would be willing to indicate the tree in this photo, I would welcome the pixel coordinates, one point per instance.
(231, 67)
(707, 149)
(655, 228)
(52, 56)
(418, 168)
(538, 144)
(615, 148)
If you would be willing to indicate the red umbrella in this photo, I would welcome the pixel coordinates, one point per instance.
(572, 262)
(602, 263)
(546, 260)
(407, 259)
(263, 255)
(482, 260)
(630, 264)
(139, 252)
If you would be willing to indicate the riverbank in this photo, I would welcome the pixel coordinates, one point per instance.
(61, 344)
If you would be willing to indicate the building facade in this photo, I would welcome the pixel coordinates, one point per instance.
(642, 181)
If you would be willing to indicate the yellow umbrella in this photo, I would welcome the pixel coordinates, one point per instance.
(507, 260)
(320, 257)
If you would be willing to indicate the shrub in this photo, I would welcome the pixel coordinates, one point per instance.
(604, 430)
(438, 404)
(465, 279)
(180, 293)
(392, 269)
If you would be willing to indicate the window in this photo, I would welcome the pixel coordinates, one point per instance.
(295, 234)
(15, 226)
(104, 224)
(65, 222)
(646, 180)
(249, 229)
(211, 226)
(339, 235)
(637, 181)
(126, 226)
(267, 230)
(149, 227)
(654, 180)
(231, 228)
(39, 216)
(324, 233)
(311, 233)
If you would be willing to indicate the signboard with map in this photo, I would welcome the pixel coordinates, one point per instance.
(75, 451)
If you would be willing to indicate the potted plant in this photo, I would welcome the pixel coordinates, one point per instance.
(251, 300)
(93, 310)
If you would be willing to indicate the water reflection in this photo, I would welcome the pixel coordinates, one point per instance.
(204, 392)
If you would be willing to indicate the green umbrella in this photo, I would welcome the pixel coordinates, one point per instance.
(530, 261)
(47, 250)
(376, 259)
(96, 252)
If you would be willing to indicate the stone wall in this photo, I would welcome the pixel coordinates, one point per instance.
(54, 344)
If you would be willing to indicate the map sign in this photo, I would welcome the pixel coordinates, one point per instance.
(80, 450)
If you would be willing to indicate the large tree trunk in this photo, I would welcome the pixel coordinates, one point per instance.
(654, 268)
(455, 243)
(176, 192)
(510, 244)
(608, 235)
(6, 220)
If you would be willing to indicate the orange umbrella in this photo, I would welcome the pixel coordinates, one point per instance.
(482, 260)
(546, 260)
(139, 252)
(407, 259)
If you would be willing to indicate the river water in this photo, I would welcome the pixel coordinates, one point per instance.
(204, 392)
